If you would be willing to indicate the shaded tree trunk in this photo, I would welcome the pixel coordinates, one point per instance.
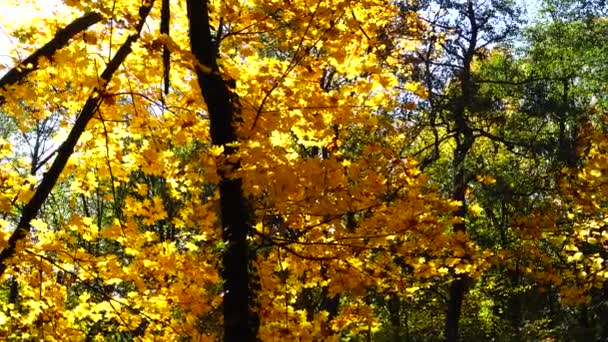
(464, 141)
(394, 308)
(240, 322)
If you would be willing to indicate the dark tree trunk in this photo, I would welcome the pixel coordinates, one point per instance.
(464, 141)
(394, 309)
(164, 29)
(458, 286)
(240, 322)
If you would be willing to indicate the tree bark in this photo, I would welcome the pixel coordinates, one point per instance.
(165, 19)
(240, 322)
(464, 142)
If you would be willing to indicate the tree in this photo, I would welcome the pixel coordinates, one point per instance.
(461, 34)
(302, 170)
(169, 180)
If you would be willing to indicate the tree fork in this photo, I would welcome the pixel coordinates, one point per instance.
(240, 322)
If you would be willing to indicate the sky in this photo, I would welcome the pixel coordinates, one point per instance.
(531, 8)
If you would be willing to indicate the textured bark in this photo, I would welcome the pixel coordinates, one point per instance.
(31, 209)
(240, 323)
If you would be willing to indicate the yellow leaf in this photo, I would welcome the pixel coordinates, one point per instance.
(216, 150)
(113, 281)
(455, 204)
(38, 224)
(191, 246)
(475, 209)
(595, 173)
(462, 268)
(412, 289)
(131, 251)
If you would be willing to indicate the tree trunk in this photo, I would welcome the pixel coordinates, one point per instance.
(240, 322)
(454, 308)
(464, 141)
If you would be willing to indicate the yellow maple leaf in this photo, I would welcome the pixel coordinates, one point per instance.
(475, 209)
(38, 224)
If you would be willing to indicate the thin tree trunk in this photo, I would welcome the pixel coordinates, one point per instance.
(394, 309)
(458, 286)
(464, 141)
(240, 322)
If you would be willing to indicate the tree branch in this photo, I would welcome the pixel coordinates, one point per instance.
(61, 39)
(31, 209)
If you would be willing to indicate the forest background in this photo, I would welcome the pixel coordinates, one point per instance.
(304, 170)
